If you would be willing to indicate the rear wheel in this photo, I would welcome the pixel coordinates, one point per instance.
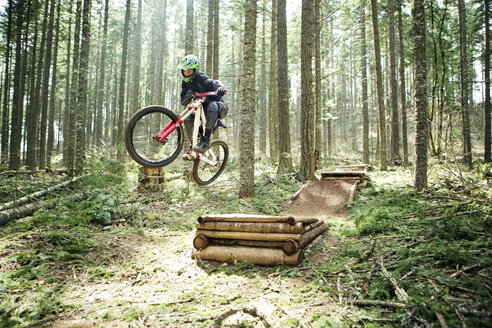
(141, 137)
(211, 163)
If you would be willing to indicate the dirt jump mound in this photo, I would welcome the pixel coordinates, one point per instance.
(331, 193)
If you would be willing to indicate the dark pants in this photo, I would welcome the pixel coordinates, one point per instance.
(211, 113)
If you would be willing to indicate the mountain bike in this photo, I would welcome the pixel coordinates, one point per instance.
(154, 137)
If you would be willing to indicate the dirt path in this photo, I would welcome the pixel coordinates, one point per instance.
(160, 285)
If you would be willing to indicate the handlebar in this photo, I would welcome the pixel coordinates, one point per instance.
(207, 93)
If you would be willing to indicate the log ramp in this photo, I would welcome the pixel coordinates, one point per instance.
(277, 240)
(259, 239)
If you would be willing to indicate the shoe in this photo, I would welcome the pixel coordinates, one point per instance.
(203, 145)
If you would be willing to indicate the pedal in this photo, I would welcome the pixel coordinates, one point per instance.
(189, 156)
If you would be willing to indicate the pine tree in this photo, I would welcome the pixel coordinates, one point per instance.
(284, 150)
(379, 88)
(306, 171)
(420, 71)
(247, 143)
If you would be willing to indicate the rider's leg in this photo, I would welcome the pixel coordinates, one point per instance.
(212, 114)
(188, 124)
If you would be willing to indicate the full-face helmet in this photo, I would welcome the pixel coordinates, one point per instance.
(189, 62)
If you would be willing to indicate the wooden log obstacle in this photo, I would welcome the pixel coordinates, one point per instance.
(260, 239)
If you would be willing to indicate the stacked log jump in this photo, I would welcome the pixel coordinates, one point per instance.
(259, 239)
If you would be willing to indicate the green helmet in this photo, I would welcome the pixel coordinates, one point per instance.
(189, 62)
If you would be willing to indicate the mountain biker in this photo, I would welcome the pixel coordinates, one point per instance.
(195, 81)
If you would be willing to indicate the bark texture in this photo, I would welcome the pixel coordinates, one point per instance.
(420, 72)
(247, 144)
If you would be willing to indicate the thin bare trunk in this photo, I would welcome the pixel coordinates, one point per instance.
(379, 88)
(284, 151)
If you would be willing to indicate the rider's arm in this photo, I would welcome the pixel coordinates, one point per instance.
(186, 94)
(213, 85)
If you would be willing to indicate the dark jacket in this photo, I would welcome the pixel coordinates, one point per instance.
(201, 83)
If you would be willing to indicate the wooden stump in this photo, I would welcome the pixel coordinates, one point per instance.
(152, 179)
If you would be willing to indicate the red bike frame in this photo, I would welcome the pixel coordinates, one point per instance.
(190, 109)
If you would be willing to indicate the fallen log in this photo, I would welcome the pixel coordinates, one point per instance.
(30, 172)
(306, 220)
(377, 303)
(341, 178)
(352, 192)
(39, 194)
(307, 237)
(297, 193)
(262, 256)
(200, 242)
(246, 218)
(26, 210)
(356, 167)
(239, 242)
(312, 226)
(291, 246)
(248, 235)
(267, 227)
(345, 174)
(400, 292)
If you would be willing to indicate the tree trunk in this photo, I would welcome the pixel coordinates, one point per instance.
(247, 144)
(101, 78)
(68, 92)
(135, 82)
(18, 95)
(215, 74)
(379, 88)
(486, 58)
(6, 88)
(317, 92)
(189, 37)
(160, 56)
(46, 81)
(363, 65)
(395, 130)
(210, 38)
(402, 86)
(80, 116)
(262, 122)
(35, 106)
(51, 118)
(74, 89)
(273, 94)
(420, 72)
(121, 94)
(465, 101)
(284, 151)
(306, 171)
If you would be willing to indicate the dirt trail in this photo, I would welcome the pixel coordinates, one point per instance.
(162, 286)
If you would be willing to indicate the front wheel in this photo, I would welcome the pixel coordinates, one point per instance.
(141, 137)
(211, 163)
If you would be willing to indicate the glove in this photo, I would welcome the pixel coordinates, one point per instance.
(221, 91)
(187, 98)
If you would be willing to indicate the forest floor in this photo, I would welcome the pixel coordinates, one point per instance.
(123, 259)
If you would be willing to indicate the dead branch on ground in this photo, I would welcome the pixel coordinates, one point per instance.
(38, 194)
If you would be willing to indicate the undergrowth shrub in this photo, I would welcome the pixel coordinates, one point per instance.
(424, 239)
